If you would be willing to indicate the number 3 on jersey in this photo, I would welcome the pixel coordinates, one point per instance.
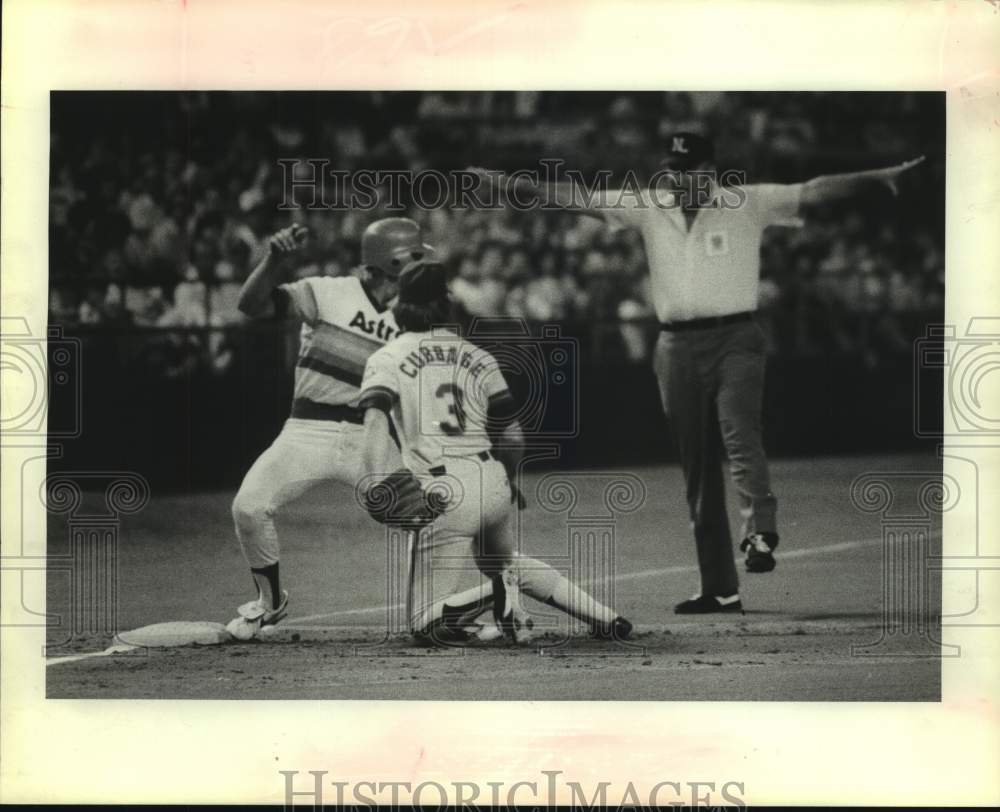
(452, 396)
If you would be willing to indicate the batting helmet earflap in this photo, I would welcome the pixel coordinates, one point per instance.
(391, 243)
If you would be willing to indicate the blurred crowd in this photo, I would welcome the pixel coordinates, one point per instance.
(161, 204)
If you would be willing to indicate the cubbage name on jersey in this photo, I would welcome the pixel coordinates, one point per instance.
(436, 354)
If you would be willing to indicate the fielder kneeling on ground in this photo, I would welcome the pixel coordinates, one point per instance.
(452, 411)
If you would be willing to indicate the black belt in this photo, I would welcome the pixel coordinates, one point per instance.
(306, 409)
(710, 321)
(440, 470)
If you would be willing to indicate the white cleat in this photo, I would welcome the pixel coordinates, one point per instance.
(257, 610)
(254, 616)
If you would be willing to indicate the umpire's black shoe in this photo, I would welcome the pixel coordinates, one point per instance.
(706, 604)
(759, 548)
(617, 629)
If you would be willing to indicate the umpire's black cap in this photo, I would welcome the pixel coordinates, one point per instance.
(423, 282)
(688, 150)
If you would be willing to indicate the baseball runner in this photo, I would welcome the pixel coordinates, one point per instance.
(702, 243)
(453, 412)
(344, 320)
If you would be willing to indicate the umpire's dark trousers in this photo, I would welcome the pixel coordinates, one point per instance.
(711, 383)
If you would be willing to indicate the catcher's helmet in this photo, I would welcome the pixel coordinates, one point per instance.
(391, 243)
(423, 282)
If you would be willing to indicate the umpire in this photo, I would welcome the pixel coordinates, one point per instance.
(702, 242)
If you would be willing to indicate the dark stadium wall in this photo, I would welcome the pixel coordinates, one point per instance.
(201, 430)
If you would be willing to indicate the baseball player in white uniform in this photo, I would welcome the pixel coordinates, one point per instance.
(344, 320)
(453, 412)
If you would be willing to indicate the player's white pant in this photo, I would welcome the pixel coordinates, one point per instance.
(478, 528)
(305, 453)
(473, 529)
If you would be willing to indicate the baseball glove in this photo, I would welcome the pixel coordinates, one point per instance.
(399, 500)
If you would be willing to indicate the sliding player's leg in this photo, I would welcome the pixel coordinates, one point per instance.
(543, 583)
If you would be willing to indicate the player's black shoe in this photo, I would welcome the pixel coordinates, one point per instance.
(617, 629)
(446, 631)
(759, 548)
(706, 604)
(454, 628)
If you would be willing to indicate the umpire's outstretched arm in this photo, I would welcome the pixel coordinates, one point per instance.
(816, 191)
(834, 187)
(559, 195)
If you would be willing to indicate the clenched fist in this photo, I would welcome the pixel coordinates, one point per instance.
(288, 240)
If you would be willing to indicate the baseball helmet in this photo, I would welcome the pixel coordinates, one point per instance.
(391, 243)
